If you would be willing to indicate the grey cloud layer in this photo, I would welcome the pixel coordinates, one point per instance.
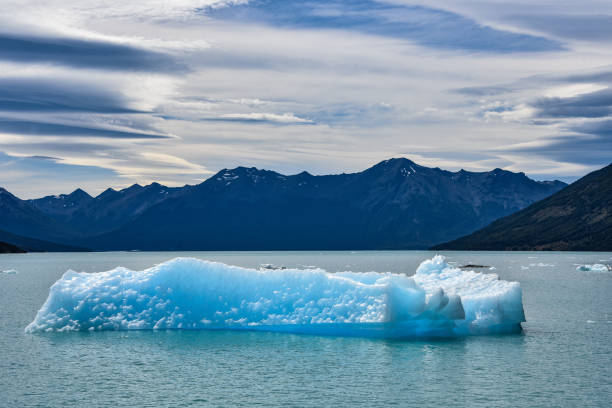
(23, 127)
(591, 105)
(290, 85)
(56, 95)
(80, 53)
(592, 27)
(582, 149)
(603, 129)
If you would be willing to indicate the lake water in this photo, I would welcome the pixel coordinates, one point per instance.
(563, 357)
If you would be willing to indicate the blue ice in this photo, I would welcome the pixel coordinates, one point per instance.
(186, 293)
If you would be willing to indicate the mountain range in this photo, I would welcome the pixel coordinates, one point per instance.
(395, 204)
(89, 216)
(577, 218)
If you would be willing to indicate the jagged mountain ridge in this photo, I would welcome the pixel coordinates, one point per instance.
(63, 205)
(394, 204)
(106, 212)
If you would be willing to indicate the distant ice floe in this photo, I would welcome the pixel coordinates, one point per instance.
(10, 272)
(594, 268)
(537, 265)
(186, 293)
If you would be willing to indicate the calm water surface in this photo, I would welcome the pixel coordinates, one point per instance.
(563, 358)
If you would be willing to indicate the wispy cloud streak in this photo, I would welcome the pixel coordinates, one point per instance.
(84, 54)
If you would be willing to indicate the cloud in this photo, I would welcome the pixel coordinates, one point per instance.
(602, 128)
(71, 11)
(287, 85)
(30, 176)
(483, 90)
(427, 26)
(81, 53)
(591, 27)
(59, 95)
(592, 150)
(601, 75)
(24, 127)
(285, 118)
(172, 162)
(590, 105)
(56, 147)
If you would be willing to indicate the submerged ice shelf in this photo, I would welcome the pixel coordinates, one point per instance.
(187, 293)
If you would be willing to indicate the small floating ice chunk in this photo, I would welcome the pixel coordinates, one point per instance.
(439, 300)
(270, 267)
(594, 268)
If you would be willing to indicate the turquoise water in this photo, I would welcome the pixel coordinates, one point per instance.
(562, 358)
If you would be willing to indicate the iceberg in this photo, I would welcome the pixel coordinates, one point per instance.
(187, 293)
(594, 268)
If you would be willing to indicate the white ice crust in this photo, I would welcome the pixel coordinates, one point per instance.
(187, 293)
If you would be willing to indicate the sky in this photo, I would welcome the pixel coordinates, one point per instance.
(108, 93)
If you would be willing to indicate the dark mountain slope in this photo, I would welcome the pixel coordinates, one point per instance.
(36, 245)
(577, 218)
(22, 218)
(395, 204)
(6, 248)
